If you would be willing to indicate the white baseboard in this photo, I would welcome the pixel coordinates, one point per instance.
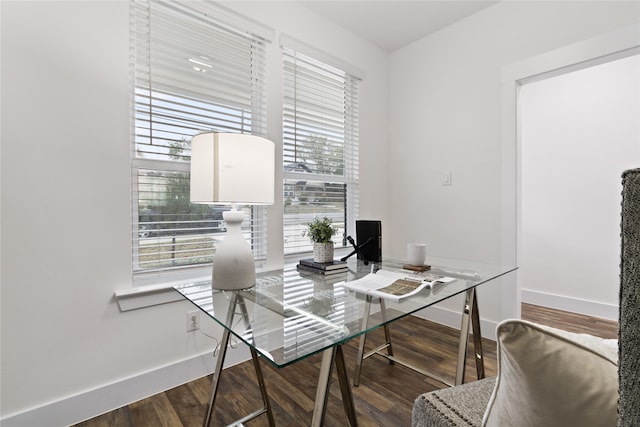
(574, 305)
(91, 403)
(86, 405)
(453, 319)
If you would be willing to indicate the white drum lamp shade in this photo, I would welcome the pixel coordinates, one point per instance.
(231, 168)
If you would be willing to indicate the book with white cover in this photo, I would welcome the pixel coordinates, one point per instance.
(395, 285)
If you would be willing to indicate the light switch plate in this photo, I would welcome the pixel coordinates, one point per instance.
(446, 178)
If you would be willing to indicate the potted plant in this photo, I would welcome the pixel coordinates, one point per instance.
(320, 231)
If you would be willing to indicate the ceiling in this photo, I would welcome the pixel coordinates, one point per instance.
(392, 24)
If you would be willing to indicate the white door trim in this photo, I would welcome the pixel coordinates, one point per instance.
(607, 47)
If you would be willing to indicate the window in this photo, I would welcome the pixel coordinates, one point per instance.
(191, 73)
(320, 152)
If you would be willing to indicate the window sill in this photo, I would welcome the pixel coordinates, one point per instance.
(146, 296)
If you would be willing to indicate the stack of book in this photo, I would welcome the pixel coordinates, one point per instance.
(308, 265)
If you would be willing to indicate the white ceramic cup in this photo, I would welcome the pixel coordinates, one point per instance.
(416, 253)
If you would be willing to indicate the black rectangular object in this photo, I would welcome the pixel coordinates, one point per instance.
(365, 230)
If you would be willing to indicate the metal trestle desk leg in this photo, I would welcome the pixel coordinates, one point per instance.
(237, 300)
(363, 339)
(330, 357)
(470, 317)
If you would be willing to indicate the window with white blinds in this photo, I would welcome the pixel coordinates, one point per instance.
(191, 73)
(320, 152)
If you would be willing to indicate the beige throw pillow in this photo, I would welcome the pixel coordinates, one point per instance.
(548, 377)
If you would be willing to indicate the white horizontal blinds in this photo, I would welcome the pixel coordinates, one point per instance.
(320, 147)
(191, 73)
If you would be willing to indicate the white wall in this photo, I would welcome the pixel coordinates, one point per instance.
(446, 115)
(579, 131)
(67, 351)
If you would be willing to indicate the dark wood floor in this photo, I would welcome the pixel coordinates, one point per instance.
(384, 398)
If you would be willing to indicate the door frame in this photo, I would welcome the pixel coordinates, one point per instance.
(614, 45)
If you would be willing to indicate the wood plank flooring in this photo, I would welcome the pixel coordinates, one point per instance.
(385, 395)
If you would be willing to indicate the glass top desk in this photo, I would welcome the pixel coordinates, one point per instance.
(290, 315)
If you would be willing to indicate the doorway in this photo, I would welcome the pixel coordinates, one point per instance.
(618, 44)
(578, 131)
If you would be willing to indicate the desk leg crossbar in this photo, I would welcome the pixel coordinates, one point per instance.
(363, 339)
(236, 301)
(470, 318)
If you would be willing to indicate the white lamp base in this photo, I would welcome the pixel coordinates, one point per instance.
(233, 264)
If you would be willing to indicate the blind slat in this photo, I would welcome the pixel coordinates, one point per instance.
(320, 148)
(191, 73)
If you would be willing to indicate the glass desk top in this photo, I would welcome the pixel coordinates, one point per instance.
(292, 315)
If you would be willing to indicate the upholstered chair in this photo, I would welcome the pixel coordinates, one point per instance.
(550, 377)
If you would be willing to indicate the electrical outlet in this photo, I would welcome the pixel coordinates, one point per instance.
(193, 320)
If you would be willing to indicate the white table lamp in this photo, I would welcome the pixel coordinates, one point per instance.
(235, 169)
